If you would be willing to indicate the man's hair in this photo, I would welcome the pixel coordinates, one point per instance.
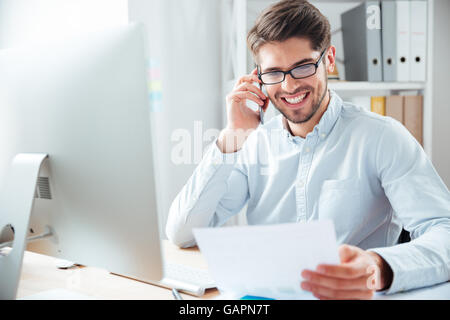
(287, 19)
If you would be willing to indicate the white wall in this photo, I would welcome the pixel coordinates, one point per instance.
(25, 21)
(441, 102)
(184, 41)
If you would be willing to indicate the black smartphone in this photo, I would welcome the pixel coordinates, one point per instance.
(266, 103)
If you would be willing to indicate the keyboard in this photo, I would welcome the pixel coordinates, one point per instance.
(187, 279)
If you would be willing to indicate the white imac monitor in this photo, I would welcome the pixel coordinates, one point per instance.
(84, 103)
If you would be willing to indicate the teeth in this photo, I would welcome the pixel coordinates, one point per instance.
(297, 99)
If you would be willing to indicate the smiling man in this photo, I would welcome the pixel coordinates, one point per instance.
(321, 158)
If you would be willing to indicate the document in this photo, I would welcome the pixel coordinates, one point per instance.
(267, 261)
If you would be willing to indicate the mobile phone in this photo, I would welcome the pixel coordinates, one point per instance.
(261, 109)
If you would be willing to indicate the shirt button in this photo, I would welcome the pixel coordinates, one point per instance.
(308, 149)
(323, 135)
(301, 184)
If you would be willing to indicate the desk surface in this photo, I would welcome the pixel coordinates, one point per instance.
(39, 273)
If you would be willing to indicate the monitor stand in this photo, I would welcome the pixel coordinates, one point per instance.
(16, 204)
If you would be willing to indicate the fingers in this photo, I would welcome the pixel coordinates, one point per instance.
(335, 283)
(352, 279)
(328, 293)
(266, 105)
(250, 78)
(332, 288)
(238, 96)
(350, 271)
(246, 84)
(347, 253)
(245, 89)
(250, 87)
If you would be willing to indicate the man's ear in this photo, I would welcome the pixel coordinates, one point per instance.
(330, 59)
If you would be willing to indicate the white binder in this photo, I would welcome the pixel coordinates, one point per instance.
(403, 36)
(361, 29)
(396, 40)
(418, 40)
(389, 40)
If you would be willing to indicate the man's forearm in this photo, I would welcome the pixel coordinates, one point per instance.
(198, 200)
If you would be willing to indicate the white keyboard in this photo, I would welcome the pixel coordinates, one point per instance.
(190, 280)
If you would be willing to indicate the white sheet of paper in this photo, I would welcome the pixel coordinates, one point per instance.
(267, 261)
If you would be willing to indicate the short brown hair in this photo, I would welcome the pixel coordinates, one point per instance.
(287, 19)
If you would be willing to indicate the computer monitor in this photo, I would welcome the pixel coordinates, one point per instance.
(84, 103)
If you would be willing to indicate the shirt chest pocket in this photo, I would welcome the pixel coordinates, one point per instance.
(340, 201)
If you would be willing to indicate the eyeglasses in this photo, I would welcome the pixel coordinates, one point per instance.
(300, 72)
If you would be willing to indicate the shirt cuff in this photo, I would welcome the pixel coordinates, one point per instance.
(397, 279)
(217, 157)
(406, 276)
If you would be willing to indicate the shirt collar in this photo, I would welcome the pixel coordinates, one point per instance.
(328, 120)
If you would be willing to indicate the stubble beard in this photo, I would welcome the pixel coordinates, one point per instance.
(316, 106)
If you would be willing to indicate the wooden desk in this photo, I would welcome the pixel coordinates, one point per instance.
(39, 273)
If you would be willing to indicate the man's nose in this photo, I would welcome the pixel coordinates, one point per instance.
(289, 83)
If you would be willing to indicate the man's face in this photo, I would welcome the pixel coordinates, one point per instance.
(297, 99)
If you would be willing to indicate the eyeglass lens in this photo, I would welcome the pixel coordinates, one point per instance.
(299, 72)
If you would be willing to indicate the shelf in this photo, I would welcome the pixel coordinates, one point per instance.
(337, 1)
(373, 88)
(362, 85)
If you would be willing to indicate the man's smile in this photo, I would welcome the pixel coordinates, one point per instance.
(296, 101)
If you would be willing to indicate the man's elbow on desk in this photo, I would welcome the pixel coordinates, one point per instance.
(179, 237)
(183, 244)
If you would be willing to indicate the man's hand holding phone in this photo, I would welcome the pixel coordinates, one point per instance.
(241, 120)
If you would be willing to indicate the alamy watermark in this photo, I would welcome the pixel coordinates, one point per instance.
(373, 21)
(190, 147)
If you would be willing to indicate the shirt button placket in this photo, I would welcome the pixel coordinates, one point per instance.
(301, 183)
(305, 164)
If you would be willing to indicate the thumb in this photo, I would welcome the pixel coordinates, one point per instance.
(347, 253)
(266, 104)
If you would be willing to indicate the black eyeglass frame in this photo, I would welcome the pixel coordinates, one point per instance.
(316, 65)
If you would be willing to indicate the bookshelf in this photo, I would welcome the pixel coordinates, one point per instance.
(239, 16)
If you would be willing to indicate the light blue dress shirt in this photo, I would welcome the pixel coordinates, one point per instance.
(363, 171)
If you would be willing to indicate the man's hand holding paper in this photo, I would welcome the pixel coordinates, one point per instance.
(267, 261)
(358, 276)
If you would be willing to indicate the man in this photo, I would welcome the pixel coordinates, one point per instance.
(320, 159)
